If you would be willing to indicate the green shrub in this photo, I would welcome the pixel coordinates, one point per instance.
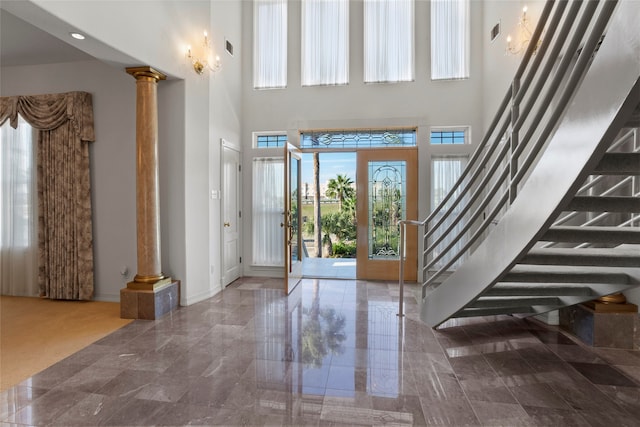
(344, 250)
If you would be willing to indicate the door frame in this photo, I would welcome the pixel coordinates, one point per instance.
(386, 269)
(226, 145)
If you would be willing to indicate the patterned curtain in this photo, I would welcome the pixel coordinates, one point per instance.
(65, 240)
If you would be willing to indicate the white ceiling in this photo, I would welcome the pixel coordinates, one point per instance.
(23, 44)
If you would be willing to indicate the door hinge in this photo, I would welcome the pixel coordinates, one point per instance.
(240, 260)
(239, 214)
(239, 168)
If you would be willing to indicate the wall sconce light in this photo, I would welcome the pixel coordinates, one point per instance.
(200, 60)
(523, 37)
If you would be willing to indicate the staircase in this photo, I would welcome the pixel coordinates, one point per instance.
(547, 212)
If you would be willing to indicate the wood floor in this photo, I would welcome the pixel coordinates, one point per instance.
(35, 333)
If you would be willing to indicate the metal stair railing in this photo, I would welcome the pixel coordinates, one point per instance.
(551, 69)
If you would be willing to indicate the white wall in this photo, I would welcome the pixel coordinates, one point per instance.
(421, 103)
(498, 67)
(225, 106)
(155, 34)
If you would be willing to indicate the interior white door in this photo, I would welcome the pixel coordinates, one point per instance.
(231, 214)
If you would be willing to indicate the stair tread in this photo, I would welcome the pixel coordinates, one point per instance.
(593, 234)
(597, 229)
(566, 273)
(606, 257)
(605, 197)
(587, 252)
(492, 311)
(547, 285)
(510, 297)
(514, 301)
(564, 269)
(527, 289)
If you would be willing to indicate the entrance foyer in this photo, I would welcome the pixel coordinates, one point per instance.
(333, 352)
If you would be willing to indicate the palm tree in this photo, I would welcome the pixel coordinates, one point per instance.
(317, 235)
(340, 188)
(349, 205)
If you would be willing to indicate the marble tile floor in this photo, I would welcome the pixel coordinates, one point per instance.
(333, 353)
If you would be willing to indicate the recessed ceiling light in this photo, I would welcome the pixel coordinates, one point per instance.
(77, 36)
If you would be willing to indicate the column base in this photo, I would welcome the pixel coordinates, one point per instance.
(601, 325)
(149, 301)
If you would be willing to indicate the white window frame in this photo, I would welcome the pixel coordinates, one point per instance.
(389, 45)
(270, 64)
(465, 129)
(450, 39)
(255, 136)
(324, 45)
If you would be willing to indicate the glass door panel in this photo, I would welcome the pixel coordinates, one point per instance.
(292, 219)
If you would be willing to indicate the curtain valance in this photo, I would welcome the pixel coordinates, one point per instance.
(48, 112)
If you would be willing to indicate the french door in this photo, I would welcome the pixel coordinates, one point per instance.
(293, 255)
(387, 192)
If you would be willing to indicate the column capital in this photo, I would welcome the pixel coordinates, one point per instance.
(145, 72)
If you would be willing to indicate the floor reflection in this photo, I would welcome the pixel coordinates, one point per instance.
(327, 339)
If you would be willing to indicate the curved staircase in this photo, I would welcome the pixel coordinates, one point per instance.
(547, 212)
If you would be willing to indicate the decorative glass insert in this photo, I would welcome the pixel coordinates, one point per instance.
(448, 137)
(359, 139)
(271, 141)
(386, 207)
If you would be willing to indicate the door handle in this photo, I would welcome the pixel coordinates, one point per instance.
(226, 224)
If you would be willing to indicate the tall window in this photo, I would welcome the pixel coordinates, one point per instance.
(268, 205)
(325, 42)
(18, 209)
(445, 171)
(269, 44)
(388, 40)
(449, 39)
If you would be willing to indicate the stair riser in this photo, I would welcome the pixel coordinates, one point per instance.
(628, 235)
(618, 164)
(578, 260)
(617, 279)
(605, 204)
(528, 291)
(493, 311)
(515, 302)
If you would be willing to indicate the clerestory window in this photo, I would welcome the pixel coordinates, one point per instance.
(450, 38)
(269, 44)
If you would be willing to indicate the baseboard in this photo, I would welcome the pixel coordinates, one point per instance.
(193, 299)
(264, 271)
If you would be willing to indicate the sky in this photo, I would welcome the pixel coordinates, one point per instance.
(331, 164)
